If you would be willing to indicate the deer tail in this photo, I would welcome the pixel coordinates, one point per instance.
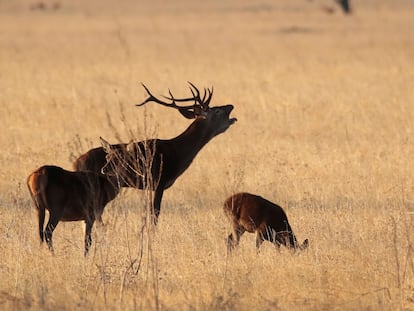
(37, 184)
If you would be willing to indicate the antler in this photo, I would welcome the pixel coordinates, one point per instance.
(152, 98)
(196, 95)
(198, 101)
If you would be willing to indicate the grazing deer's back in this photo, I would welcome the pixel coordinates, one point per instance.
(254, 212)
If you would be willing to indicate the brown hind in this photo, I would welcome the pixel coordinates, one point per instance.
(69, 196)
(252, 213)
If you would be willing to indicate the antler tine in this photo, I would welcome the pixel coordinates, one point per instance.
(171, 96)
(194, 87)
(180, 99)
(192, 92)
(152, 98)
(205, 101)
(204, 95)
(196, 95)
(210, 95)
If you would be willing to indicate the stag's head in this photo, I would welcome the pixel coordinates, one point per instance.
(216, 119)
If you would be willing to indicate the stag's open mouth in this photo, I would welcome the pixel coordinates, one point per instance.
(231, 120)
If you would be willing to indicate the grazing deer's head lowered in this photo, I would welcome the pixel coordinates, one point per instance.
(155, 164)
(252, 213)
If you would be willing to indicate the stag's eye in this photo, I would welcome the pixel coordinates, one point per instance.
(217, 112)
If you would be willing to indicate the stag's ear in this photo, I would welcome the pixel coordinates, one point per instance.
(189, 114)
(106, 145)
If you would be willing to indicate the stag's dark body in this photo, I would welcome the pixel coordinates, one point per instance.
(156, 164)
(169, 158)
(252, 213)
(69, 196)
(95, 159)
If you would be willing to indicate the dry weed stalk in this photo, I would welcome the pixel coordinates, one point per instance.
(143, 256)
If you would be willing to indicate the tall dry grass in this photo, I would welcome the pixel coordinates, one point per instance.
(325, 108)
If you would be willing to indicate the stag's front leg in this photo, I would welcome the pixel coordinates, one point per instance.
(88, 236)
(157, 203)
(98, 217)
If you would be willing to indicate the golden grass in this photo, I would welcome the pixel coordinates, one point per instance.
(325, 108)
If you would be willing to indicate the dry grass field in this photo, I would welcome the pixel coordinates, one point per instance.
(325, 108)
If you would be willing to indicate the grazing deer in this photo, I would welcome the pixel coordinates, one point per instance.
(155, 164)
(252, 213)
(69, 196)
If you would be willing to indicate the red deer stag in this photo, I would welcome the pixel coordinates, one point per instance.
(345, 6)
(252, 213)
(69, 196)
(167, 158)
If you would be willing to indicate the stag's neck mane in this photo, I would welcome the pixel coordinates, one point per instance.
(193, 139)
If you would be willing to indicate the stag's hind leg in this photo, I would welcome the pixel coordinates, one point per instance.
(88, 235)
